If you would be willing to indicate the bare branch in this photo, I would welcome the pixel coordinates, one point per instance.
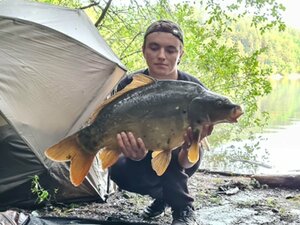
(133, 53)
(103, 13)
(90, 5)
(139, 33)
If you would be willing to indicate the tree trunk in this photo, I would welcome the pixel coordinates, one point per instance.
(282, 181)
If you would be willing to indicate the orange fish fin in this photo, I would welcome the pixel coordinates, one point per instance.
(194, 149)
(156, 153)
(108, 157)
(64, 150)
(70, 150)
(160, 161)
(138, 80)
(80, 166)
(193, 152)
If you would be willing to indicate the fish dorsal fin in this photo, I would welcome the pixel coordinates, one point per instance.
(138, 81)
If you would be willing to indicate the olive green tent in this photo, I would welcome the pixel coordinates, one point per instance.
(55, 69)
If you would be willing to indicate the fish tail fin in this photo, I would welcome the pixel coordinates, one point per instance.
(70, 150)
(108, 157)
(64, 150)
(80, 166)
(160, 161)
(193, 152)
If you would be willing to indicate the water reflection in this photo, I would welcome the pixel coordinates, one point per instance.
(283, 145)
(277, 149)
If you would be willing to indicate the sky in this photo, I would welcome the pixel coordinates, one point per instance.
(291, 16)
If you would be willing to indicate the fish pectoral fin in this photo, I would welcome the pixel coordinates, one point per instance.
(108, 157)
(194, 149)
(80, 166)
(160, 161)
(138, 80)
(193, 152)
(70, 150)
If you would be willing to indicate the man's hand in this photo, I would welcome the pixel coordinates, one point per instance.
(206, 131)
(188, 136)
(131, 147)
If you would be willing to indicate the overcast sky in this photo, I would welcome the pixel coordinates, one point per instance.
(292, 13)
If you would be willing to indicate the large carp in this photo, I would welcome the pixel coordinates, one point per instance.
(158, 111)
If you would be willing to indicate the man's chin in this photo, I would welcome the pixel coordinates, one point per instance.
(161, 73)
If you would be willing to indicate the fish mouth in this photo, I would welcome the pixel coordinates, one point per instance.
(235, 114)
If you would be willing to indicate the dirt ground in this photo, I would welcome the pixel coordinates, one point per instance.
(219, 200)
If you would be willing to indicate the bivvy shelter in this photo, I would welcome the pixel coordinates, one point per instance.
(55, 69)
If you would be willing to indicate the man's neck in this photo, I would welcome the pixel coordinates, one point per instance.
(171, 76)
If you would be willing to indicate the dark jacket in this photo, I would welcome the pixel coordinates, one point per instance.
(181, 76)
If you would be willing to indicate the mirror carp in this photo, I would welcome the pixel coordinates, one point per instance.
(158, 111)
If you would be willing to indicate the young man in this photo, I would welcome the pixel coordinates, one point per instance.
(162, 50)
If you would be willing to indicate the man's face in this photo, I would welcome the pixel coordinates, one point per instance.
(162, 52)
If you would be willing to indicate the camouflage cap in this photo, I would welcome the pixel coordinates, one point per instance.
(165, 26)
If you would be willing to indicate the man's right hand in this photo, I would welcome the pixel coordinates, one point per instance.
(131, 147)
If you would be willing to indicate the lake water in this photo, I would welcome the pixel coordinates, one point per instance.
(279, 143)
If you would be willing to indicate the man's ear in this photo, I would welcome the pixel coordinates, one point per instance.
(181, 54)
